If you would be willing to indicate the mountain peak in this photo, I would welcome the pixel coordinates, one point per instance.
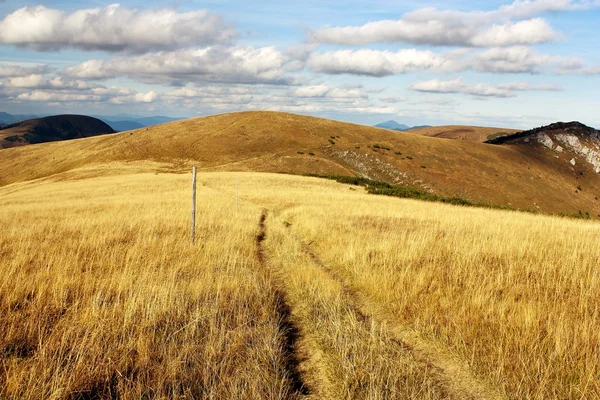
(393, 125)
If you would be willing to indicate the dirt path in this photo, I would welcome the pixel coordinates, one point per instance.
(289, 331)
(451, 372)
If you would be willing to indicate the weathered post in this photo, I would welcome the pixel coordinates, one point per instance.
(193, 205)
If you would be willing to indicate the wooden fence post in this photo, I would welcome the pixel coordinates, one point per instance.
(193, 205)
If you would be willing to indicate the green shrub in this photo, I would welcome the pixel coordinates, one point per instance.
(331, 141)
(409, 157)
(300, 152)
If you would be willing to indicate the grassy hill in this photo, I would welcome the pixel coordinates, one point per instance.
(513, 175)
(478, 134)
(50, 129)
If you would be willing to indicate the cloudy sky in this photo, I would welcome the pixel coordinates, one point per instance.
(519, 64)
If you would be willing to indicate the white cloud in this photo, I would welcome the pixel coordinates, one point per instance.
(392, 100)
(524, 86)
(240, 64)
(113, 28)
(576, 66)
(508, 25)
(15, 71)
(517, 59)
(147, 97)
(325, 91)
(457, 86)
(38, 81)
(379, 62)
(56, 90)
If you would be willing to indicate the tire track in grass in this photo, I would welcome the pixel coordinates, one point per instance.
(449, 370)
(289, 331)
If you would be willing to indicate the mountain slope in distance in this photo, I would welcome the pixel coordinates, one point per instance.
(50, 129)
(122, 126)
(393, 125)
(460, 132)
(520, 177)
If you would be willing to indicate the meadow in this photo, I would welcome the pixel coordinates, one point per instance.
(308, 288)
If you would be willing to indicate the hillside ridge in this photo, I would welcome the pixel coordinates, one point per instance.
(519, 177)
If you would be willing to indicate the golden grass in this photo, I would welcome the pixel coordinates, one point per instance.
(102, 294)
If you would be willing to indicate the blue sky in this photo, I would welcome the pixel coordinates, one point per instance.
(515, 64)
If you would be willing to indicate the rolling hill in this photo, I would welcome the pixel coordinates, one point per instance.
(512, 175)
(470, 133)
(50, 129)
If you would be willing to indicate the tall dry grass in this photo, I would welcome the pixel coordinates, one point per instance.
(101, 293)
(102, 296)
(516, 296)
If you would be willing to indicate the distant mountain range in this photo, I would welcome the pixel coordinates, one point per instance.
(125, 122)
(395, 126)
(120, 123)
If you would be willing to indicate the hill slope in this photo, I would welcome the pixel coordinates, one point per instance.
(471, 133)
(524, 177)
(50, 129)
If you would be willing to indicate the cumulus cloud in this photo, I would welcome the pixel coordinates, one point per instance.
(575, 66)
(379, 62)
(240, 64)
(508, 25)
(39, 81)
(325, 91)
(38, 88)
(457, 86)
(113, 28)
(517, 59)
(15, 71)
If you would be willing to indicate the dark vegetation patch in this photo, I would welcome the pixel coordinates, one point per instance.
(405, 192)
(379, 146)
(3, 127)
(14, 138)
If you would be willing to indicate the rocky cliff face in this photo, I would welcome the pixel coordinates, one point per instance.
(574, 141)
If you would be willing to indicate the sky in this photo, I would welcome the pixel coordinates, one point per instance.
(517, 64)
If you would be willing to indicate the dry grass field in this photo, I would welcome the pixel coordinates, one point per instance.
(310, 288)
